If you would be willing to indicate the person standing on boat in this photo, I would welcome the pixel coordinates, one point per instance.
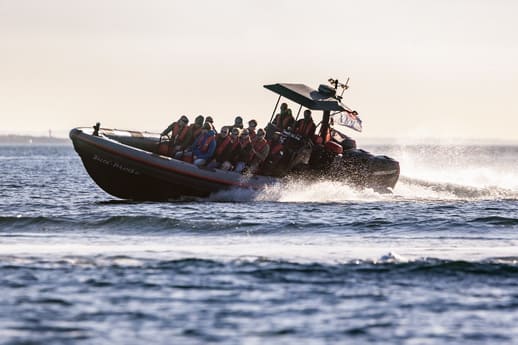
(204, 146)
(306, 127)
(260, 150)
(242, 156)
(252, 125)
(179, 135)
(238, 123)
(284, 119)
(223, 139)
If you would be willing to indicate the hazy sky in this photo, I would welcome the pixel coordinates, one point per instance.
(435, 69)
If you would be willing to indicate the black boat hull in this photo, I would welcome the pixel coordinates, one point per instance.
(131, 173)
(127, 165)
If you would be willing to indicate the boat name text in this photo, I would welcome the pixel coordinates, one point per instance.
(115, 165)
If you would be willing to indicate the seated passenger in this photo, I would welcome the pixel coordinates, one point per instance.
(305, 127)
(230, 150)
(204, 146)
(260, 150)
(284, 119)
(276, 149)
(222, 141)
(202, 149)
(179, 135)
(195, 129)
(252, 124)
(242, 156)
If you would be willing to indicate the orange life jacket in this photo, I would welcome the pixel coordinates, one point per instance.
(223, 145)
(195, 131)
(258, 146)
(283, 120)
(179, 133)
(305, 128)
(276, 149)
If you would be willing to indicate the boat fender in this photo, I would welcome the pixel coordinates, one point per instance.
(333, 147)
(163, 148)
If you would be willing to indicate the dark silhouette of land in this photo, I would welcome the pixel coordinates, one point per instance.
(29, 139)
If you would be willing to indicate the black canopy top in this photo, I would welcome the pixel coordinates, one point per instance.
(308, 97)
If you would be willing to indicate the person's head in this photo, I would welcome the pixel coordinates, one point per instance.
(245, 135)
(238, 120)
(235, 133)
(206, 127)
(252, 124)
(224, 131)
(276, 136)
(199, 120)
(284, 107)
(183, 120)
(260, 133)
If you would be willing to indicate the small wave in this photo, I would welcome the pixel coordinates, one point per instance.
(388, 262)
(496, 220)
(412, 187)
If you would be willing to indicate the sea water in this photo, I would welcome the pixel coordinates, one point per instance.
(436, 262)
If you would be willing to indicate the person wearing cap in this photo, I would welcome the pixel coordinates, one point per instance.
(179, 135)
(259, 152)
(252, 124)
(284, 120)
(306, 127)
(242, 156)
(238, 123)
(230, 151)
(210, 121)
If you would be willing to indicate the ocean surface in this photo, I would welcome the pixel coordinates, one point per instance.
(436, 262)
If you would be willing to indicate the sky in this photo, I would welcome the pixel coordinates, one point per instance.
(436, 69)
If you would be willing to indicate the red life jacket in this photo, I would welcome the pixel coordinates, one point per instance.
(276, 149)
(305, 128)
(252, 133)
(258, 146)
(283, 120)
(180, 132)
(221, 147)
(195, 131)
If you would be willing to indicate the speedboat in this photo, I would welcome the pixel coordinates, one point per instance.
(131, 165)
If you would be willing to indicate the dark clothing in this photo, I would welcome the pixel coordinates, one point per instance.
(242, 154)
(229, 152)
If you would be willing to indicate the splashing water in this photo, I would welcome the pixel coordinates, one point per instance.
(427, 173)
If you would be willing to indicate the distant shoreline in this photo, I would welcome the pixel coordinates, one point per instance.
(31, 140)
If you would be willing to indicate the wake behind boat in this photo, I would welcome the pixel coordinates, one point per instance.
(134, 165)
